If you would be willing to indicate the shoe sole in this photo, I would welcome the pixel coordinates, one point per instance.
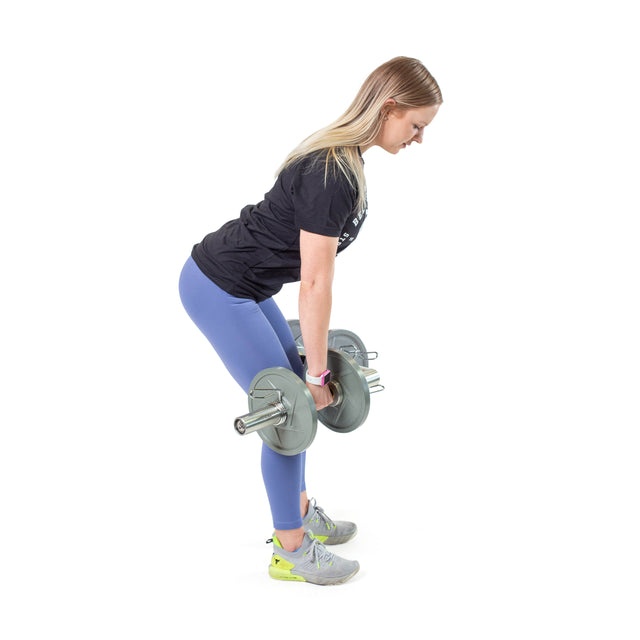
(283, 574)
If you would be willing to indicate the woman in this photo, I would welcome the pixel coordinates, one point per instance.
(313, 212)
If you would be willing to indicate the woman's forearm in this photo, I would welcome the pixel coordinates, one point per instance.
(314, 307)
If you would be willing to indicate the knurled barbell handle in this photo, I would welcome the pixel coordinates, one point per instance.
(271, 416)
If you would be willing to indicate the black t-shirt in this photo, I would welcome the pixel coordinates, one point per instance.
(254, 255)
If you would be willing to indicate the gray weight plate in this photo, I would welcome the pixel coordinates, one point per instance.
(354, 408)
(299, 430)
(350, 343)
(294, 325)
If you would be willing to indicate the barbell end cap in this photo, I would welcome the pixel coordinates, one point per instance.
(240, 426)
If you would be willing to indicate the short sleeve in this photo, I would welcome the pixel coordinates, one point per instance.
(319, 208)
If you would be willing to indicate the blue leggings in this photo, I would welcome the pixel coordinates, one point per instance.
(250, 336)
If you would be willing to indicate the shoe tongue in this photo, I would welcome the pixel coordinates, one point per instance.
(311, 511)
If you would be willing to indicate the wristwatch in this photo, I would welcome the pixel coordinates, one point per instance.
(323, 379)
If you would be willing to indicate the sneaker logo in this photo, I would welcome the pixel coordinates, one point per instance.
(276, 560)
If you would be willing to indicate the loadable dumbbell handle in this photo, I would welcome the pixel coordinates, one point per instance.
(275, 413)
(271, 416)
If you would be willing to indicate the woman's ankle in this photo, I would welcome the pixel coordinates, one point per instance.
(290, 539)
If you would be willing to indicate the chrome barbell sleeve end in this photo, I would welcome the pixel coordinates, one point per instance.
(272, 415)
(372, 376)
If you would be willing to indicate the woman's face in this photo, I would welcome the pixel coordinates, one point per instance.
(401, 128)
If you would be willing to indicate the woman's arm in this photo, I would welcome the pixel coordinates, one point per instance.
(317, 255)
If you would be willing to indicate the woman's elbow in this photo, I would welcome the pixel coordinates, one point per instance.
(315, 284)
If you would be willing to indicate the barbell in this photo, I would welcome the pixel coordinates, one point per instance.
(283, 412)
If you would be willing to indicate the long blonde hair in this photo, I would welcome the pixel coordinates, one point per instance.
(406, 80)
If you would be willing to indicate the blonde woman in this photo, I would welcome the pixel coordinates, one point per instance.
(314, 211)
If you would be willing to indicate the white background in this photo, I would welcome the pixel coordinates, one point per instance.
(496, 482)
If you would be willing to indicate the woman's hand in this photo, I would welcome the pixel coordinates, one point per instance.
(321, 395)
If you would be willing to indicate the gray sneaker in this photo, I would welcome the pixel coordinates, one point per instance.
(312, 562)
(324, 528)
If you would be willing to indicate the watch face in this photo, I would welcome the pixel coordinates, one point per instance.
(326, 378)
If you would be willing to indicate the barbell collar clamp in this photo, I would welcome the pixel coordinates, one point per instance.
(354, 352)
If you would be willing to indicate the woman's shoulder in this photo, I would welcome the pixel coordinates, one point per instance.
(329, 164)
(312, 162)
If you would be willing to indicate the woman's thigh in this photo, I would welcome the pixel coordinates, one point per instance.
(237, 328)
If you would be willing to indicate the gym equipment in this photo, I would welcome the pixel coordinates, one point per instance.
(351, 386)
(294, 325)
(341, 339)
(351, 344)
(282, 409)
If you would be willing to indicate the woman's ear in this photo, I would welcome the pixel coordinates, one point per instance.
(387, 107)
